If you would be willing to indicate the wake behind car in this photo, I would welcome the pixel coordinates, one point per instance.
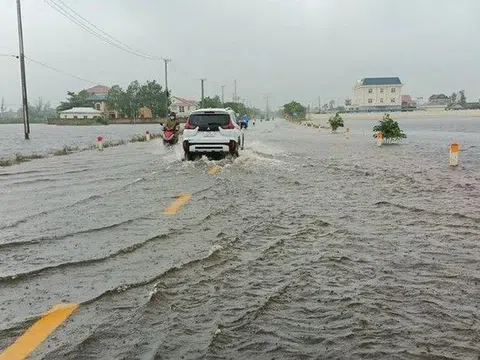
(212, 131)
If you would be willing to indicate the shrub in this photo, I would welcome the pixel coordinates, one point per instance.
(335, 122)
(101, 120)
(390, 129)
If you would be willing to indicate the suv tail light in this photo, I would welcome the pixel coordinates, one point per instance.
(189, 126)
(230, 126)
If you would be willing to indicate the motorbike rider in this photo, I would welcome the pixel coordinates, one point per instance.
(172, 122)
(244, 122)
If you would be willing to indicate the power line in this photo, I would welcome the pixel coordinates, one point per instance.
(10, 55)
(106, 34)
(79, 20)
(59, 71)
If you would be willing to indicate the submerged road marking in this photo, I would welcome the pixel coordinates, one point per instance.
(176, 205)
(38, 332)
(214, 169)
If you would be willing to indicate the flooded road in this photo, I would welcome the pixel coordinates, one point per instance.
(308, 246)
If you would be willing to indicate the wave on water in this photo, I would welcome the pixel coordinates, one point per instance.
(80, 263)
(44, 239)
(420, 210)
(78, 202)
(214, 251)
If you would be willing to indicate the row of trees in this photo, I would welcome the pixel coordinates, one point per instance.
(127, 102)
(39, 111)
(239, 108)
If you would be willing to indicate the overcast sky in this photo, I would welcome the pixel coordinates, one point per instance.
(290, 49)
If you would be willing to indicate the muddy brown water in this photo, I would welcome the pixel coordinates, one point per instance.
(306, 246)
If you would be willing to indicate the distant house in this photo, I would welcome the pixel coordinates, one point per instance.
(182, 107)
(80, 113)
(378, 94)
(437, 102)
(98, 96)
(406, 99)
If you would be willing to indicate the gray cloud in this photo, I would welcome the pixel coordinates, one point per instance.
(289, 49)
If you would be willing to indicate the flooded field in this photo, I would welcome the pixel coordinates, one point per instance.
(307, 246)
(45, 139)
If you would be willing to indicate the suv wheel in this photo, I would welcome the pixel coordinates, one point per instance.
(189, 156)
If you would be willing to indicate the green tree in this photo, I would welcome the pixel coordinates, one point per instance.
(453, 98)
(239, 108)
(296, 108)
(2, 107)
(41, 111)
(152, 96)
(463, 98)
(335, 122)
(117, 100)
(348, 102)
(390, 129)
(212, 102)
(132, 99)
(75, 100)
(128, 102)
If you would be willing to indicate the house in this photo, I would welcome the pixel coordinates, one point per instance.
(437, 102)
(98, 96)
(182, 107)
(406, 99)
(80, 113)
(378, 94)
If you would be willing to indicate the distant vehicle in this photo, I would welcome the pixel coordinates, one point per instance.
(212, 131)
(244, 122)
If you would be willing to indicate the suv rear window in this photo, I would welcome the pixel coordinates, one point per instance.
(209, 122)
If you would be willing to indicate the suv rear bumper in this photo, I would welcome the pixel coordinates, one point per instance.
(209, 147)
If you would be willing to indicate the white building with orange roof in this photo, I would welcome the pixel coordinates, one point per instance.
(182, 107)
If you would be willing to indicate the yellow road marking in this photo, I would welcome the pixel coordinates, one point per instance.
(38, 332)
(214, 169)
(176, 205)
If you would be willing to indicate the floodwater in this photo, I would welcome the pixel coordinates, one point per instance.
(45, 139)
(308, 246)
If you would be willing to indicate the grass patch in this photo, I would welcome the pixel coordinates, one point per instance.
(112, 143)
(19, 158)
(65, 150)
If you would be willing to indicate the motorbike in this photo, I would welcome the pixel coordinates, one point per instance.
(170, 136)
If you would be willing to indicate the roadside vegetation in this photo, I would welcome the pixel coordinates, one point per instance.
(19, 158)
(66, 150)
(390, 129)
(336, 122)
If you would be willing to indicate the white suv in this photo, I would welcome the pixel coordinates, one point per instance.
(210, 131)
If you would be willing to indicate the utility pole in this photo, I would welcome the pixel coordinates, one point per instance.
(167, 95)
(203, 92)
(223, 95)
(235, 90)
(319, 104)
(26, 122)
(267, 108)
